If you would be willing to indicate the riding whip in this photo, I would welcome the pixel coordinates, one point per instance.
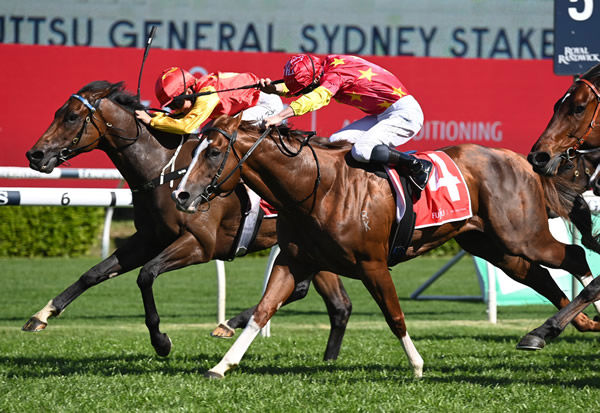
(148, 43)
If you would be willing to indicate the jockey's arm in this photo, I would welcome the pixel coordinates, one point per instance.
(202, 109)
(311, 101)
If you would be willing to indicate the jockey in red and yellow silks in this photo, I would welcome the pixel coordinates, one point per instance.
(393, 116)
(176, 81)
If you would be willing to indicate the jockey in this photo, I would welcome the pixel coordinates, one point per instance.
(393, 115)
(188, 115)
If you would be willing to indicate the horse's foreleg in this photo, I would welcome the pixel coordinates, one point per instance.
(339, 308)
(535, 340)
(182, 252)
(382, 289)
(227, 329)
(124, 259)
(280, 287)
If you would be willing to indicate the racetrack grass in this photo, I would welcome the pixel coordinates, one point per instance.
(97, 355)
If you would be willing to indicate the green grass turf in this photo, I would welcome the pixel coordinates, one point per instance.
(97, 355)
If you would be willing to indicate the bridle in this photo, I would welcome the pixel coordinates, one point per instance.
(581, 140)
(68, 152)
(211, 189)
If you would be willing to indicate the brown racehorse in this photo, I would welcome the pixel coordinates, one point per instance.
(574, 125)
(101, 116)
(338, 218)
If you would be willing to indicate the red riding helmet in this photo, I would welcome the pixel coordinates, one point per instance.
(301, 71)
(170, 84)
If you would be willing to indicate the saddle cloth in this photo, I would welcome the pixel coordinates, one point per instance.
(445, 198)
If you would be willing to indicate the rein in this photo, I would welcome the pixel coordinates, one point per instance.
(581, 140)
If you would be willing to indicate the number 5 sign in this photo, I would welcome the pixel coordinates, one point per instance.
(576, 36)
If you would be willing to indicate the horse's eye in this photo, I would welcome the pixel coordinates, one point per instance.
(72, 117)
(579, 109)
(213, 152)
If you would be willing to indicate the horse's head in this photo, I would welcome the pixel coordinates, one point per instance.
(573, 124)
(78, 126)
(213, 169)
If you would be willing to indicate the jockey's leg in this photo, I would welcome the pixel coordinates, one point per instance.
(416, 169)
(398, 124)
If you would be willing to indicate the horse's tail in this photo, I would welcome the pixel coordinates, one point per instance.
(564, 199)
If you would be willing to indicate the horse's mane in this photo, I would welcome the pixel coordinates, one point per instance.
(592, 73)
(113, 91)
(293, 135)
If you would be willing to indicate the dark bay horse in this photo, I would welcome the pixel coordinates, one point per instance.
(338, 218)
(574, 125)
(100, 116)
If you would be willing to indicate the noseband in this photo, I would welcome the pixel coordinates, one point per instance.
(581, 140)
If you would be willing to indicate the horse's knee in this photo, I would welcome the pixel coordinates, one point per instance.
(590, 293)
(146, 277)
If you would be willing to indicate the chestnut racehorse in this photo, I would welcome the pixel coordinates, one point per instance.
(101, 116)
(574, 125)
(336, 217)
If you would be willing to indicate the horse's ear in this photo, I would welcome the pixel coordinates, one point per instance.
(237, 119)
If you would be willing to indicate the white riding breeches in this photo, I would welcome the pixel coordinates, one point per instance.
(267, 105)
(398, 124)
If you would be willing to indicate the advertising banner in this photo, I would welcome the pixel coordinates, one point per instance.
(576, 41)
(493, 29)
(499, 103)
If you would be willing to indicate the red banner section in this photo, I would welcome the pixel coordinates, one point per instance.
(500, 103)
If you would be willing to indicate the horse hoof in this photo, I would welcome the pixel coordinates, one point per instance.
(531, 342)
(223, 331)
(163, 348)
(34, 325)
(213, 375)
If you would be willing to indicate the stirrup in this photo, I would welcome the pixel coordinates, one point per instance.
(420, 178)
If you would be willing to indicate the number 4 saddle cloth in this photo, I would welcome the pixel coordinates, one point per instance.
(445, 198)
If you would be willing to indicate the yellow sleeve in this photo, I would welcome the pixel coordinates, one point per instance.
(311, 101)
(202, 109)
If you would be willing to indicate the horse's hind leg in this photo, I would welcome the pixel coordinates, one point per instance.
(535, 340)
(131, 255)
(379, 283)
(523, 271)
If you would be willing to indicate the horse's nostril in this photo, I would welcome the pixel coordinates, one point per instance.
(35, 155)
(183, 196)
(538, 158)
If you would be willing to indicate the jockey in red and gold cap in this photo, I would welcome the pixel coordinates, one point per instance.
(393, 116)
(174, 82)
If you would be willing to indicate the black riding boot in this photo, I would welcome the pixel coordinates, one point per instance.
(417, 170)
